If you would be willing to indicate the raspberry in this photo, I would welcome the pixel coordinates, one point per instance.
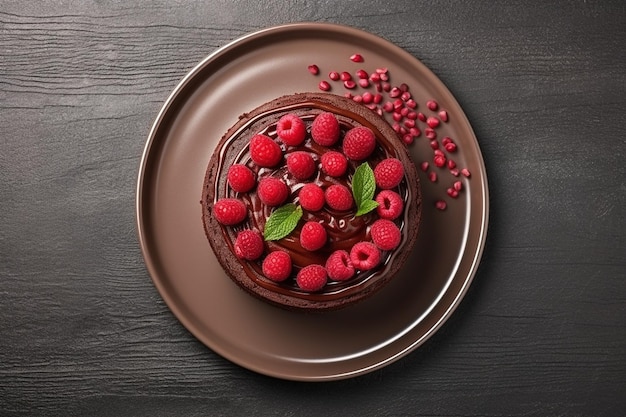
(390, 204)
(339, 266)
(325, 129)
(312, 236)
(249, 245)
(385, 234)
(230, 211)
(240, 178)
(291, 130)
(311, 197)
(359, 143)
(272, 191)
(312, 278)
(334, 164)
(338, 197)
(300, 164)
(364, 255)
(264, 151)
(388, 173)
(277, 266)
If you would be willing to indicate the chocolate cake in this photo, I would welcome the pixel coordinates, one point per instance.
(342, 228)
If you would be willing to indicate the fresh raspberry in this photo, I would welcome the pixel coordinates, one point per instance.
(359, 143)
(277, 266)
(388, 173)
(272, 191)
(291, 130)
(390, 204)
(334, 164)
(385, 234)
(339, 197)
(312, 278)
(364, 256)
(240, 178)
(230, 211)
(325, 129)
(249, 245)
(311, 197)
(301, 164)
(264, 151)
(339, 266)
(312, 236)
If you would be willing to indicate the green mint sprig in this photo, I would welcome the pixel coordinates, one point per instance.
(282, 222)
(363, 188)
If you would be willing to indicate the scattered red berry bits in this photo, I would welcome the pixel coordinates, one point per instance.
(439, 160)
(312, 278)
(443, 115)
(339, 266)
(359, 143)
(230, 211)
(325, 129)
(365, 256)
(432, 105)
(272, 191)
(466, 172)
(291, 130)
(441, 205)
(264, 151)
(390, 204)
(313, 236)
(300, 164)
(314, 69)
(311, 197)
(277, 266)
(388, 173)
(334, 163)
(339, 197)
(249, 245)
(324, 86)
(241, 178)
(356, 58)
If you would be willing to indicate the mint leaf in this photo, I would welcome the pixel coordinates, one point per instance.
(363, 188)
(366, 207)
(282, 221)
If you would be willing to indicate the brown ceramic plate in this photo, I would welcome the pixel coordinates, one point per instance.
(237, 78)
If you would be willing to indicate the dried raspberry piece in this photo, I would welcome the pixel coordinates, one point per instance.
(359, 143)
(312, 236)
(325, 129)
(249, 245)
(311, 197)
(277, 266)
(291, 129)
(241, 178)
(364, 256)
(390, 204)
(272, 191)
(388, 173)
(300, 164)
(339, 197)
(230, 211)
(334, 163)
(264, 151)
(385, 234)
(339, 266)
(312, 278)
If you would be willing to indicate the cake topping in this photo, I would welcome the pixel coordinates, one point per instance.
(359, 143)
(264, 151)
(230, 211)
(388, 173)
(325, 129)
(301, 165)
(339, 266)
(291, 129)
(272, 191)
(338, 197)
(364, 256)
(385, 234)
(334, 163)
(249, 245)
(313, 236)
(241, 178)
(390, 204)
(312, 278)
(277, 266)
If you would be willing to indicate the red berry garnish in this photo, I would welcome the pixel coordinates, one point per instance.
(385, 234)
(291, 129)
(230, 211)
(264, 151)
(388, 173)
(240, 178)
(277, 266)
(312, 278)
(339, 197)
(334, 163)
(325, 129)
(311, 197)
(390, 204)
(300, 164)
(312, 236)
(364, 256)
(339, 266)
(359, 143)
(249, 245)
(356, 58)
(272, 191)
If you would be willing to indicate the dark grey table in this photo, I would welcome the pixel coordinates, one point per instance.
(542, 331)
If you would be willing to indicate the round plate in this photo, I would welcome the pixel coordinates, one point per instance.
(291, 345)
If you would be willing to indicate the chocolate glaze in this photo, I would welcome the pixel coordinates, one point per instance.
(343, 228)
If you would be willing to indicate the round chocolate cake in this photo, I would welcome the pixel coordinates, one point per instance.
(311, 202)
